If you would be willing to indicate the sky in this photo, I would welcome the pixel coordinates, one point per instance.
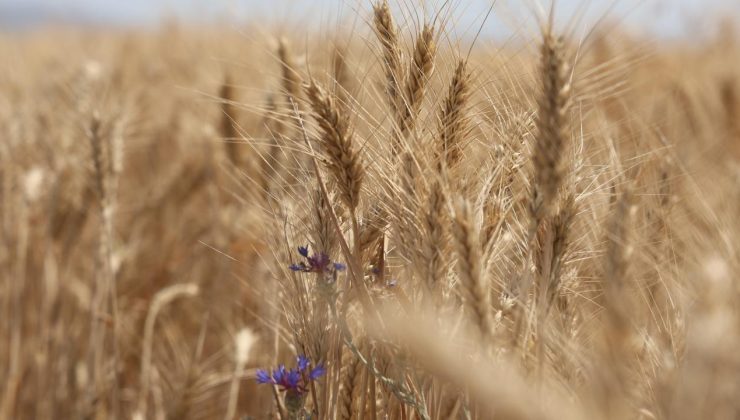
(666, 18)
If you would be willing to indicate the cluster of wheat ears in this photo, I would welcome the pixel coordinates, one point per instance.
(403, 225)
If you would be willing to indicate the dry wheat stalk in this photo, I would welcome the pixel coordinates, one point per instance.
(618, 254)
(291, 80)
(244, 341)
(189, 392)
(228, 132)
(161, 299)
(614, 384)
(405, 206)
(341, 75)
(450, 407)
(291, 112)
(276, 129)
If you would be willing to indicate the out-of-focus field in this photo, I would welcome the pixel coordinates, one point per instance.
(154, 186)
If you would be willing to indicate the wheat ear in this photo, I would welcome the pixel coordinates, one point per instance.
(105, 291)
(552, 252)
(452, 118)
(472, 280)
(351, 383)
(552, 126)
(385, 30)
(419, 72)
(550, 140)
(337, 140)
(434, 238)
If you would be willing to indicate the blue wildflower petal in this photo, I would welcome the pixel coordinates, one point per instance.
(303, 250)
(302, 362)
(263, 377)
(292, 379)
(339, 266)
(278, 376)
(317, 372)
(298, 267)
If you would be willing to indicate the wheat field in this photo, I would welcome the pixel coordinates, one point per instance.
(382, 222)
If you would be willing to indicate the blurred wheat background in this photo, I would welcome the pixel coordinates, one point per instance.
(419, 216)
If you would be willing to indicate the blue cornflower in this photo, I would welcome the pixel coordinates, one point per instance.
(263, 377)
(303, 250)
(294, 381)
(317, 372)
(316, 263)
(298, 267)
(302, 362)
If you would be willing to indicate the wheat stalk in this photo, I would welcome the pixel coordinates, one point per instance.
(618, 254)
(244, 341)
(229, 135)
(161, 299)
(291, 80)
